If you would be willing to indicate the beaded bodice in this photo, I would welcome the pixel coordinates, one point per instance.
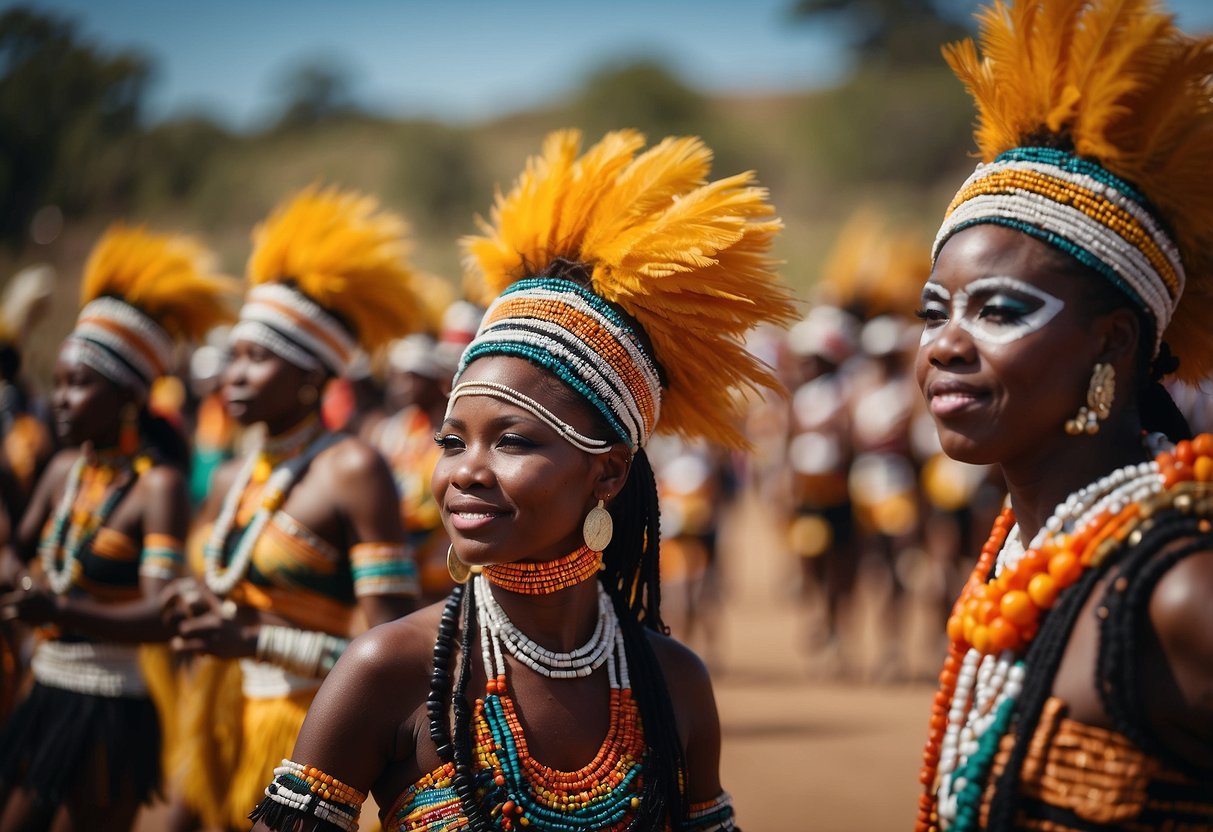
(600, 796)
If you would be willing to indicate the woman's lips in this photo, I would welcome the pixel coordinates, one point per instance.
(951, 399)
(470, 520)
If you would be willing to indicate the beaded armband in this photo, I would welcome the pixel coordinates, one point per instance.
(303, 652)
(163, 557)
(383, 569)
(710, 816)
(307, 791)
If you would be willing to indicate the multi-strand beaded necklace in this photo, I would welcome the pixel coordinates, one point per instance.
(511, 787)
(277, 463)
(74, 526)
(1000, 610)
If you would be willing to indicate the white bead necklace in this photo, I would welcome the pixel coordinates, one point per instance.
(501, 635)
(220, 580)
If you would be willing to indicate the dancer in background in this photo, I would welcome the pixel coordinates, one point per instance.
(303, 539)
(103, 531)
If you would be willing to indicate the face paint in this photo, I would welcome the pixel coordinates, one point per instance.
(995, 310)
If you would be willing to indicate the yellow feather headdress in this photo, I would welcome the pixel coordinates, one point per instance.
(140, 292)
(344, 260)
(685, 258)
(874, 269)
(1116, 86)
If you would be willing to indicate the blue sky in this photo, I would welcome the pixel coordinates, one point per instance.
(459, 59)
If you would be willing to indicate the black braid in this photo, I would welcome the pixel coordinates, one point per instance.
(1042, 659)
(632, 577)
(1127, 602)
(464, 757)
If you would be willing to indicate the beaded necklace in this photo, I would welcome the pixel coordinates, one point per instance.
(599, 795)
(222, 580)
(73, 528)
(996, 618)
(545, 577)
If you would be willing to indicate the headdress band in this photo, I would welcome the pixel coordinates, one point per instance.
(294, 327)
(576, 335)
(120, 342)
(1079, 207)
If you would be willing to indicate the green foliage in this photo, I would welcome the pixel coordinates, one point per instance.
(644, 95)
(890, 33)
(68, 120)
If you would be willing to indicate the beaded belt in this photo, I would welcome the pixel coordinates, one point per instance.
(262, 680)
(84, 667)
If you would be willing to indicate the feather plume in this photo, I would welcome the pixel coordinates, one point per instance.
(1117, 82)
(346, 254)
(169, 277)
(687, 258)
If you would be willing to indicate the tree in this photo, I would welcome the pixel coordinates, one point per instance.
(897, 34)
(69, 116)
(316, 91)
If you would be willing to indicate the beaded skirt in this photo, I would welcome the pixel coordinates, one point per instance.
(56, 737)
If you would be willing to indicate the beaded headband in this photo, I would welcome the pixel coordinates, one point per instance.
(121, 343)
(292, 326)
(1079, 207)
(578, 337)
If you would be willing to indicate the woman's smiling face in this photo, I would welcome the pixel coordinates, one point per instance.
(1007, 346)
(510, 487)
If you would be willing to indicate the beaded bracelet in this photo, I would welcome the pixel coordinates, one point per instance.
(309, 790)
(304, 652)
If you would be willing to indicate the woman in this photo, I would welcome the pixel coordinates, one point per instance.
(304, 536)
(1077, 691)
(106, 522)
(626, 286)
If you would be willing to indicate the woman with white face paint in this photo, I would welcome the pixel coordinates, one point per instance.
(1078, 687)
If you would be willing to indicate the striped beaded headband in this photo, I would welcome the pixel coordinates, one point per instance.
(120, 342)
(293, 326)
(1081, 208)
(578, 337)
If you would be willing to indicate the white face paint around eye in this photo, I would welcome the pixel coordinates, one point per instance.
(1009, 309)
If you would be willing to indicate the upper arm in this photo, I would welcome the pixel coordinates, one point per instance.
(166, 507)
(367, 494)
(369, 504)
(1182, 617)
(694, 702)
(29, 530)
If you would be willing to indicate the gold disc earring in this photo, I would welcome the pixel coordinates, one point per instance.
(1100, 394)
(598, 528)
(460, 571)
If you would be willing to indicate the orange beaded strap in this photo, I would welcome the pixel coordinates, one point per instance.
(530, 577)
(928, 821)
(299, 790)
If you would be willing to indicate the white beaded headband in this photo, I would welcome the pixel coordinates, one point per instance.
(1077, 206)
(509, 394)
(120, 342)
(294, 327)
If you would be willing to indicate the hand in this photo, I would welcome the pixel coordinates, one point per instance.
(31, 603)
(207, 625)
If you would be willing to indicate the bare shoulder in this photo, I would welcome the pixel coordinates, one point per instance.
(685, 673)
(163, 478)
(394, 657)
(351, 462)
(60, 465)
(1181, 612)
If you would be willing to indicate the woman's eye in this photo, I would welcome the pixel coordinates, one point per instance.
(514, 440)
(932, 313)
(448, 442)
(1002, 309)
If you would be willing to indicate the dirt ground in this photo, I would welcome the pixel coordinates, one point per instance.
(802, 748)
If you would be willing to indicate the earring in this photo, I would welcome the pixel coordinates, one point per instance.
(128, 431)
(1100, 394)
(460, 571)
(598, 528)
(308, 395)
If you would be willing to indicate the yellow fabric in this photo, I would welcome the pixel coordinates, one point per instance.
(208, 740)
(159, 668)
(1120, 82)
(275, 724)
